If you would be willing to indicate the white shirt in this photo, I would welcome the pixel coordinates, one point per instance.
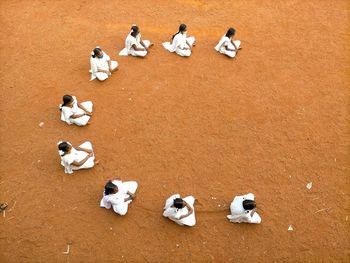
(67, 112)
(117, 198)
(179, 41)
(99, 63)
(239, 214)
(68, 159)
(224, 42)
(129, 42)
(175, 213)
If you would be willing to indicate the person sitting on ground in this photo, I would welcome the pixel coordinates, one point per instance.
(227, 45)
(78, 158)
(73, 112)
(180, 43)
(134, 45)
(243, 210)
(101, 65)
(119, 195)
(180, 210)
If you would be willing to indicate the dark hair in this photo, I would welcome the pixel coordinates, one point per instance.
(230, 32)
(178, 203)
(96, 51)
(109, 188)
(249, 204)
(66, 99)
(134, 29)
(64, 146)
(182, 27)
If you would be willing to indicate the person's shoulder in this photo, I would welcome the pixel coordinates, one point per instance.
(249, 196)
(67, 157)
(105, 56)
(118, 183)
(66, 108)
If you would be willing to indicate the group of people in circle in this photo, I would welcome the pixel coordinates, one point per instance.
(102, 66)
(118, 194)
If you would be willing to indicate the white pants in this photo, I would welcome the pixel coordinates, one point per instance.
(229, 53)
(83, 120)
(186, 52)
(255, 219)
(90, 162)
(140, 53)
(103, 76)
(122, 209)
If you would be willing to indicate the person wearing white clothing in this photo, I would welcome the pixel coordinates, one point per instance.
(134, 45)
(73, 112)
(227, 45)
(180, 210)
(101, 65)
(180, 43)
(243, 210)
(78, 158)
(118, 195)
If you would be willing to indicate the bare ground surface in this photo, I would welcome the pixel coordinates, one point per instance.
(268, 122)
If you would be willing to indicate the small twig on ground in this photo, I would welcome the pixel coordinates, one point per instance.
(324, 209)
(68, 249)
(13, 206)
(4, 213)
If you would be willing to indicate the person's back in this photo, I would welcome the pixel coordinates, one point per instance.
(243, 210)
(180, 210)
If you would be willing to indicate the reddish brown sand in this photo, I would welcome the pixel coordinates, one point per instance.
(268, 122)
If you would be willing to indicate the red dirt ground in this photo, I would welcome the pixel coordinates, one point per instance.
(267, 122)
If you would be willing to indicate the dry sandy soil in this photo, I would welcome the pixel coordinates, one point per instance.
(268, 122)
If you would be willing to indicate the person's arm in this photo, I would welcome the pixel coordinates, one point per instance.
(236, 48)
(75, 116)
(188, 44)
(190, 211)
(229, 49)
(130, 197)
(95, 69)
(83, 149)
(84, 109)
(143, 44)
(138, 48)
(252, 212)
(104, 71)
(127, 199)
(109, 67)
(82, 161)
